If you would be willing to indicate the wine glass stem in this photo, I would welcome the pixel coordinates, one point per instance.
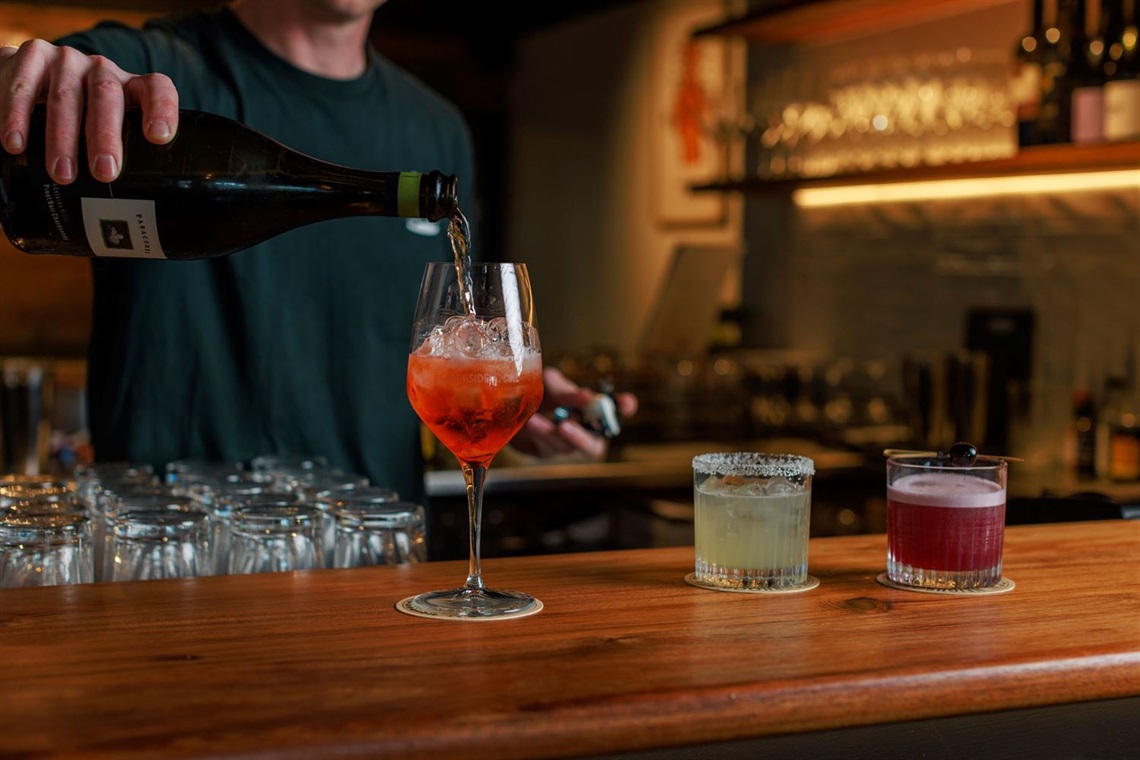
(474, 475)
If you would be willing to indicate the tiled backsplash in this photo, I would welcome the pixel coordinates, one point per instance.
(889, 279)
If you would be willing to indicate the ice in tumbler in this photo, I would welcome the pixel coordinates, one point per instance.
(751, 520)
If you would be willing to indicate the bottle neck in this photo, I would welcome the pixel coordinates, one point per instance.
(1050, 14)
(1077, 20)
(1051, 37)
(359, 192)
(1112, 19)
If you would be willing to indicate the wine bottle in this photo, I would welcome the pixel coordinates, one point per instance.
(1083, 433)
(1122, 80)
(218, 187)
(1053, 114)
(1113, 24)
(1025, 84)
(1118, 434)
(1087, 106)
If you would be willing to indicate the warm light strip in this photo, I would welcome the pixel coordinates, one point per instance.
(813, 197)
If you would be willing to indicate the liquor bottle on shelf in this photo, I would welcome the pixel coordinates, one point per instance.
(1053, 114)
(1122, 72)
(1112, 24)
(216, 188)
(1081, 444)
(1118, 433)
(1087, 75)
(1026, 82)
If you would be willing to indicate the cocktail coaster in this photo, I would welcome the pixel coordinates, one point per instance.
(404, 606)
(1001, 587)
(808, 585)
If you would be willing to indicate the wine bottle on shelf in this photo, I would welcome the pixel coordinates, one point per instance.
(1026, 82)
(217, 188)
(1112, 30)
(1122, 72)
(1087, 75)
(1118, 433)
(1083, 433)
(1053, 115)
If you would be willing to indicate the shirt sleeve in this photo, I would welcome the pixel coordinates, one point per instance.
(122, 44)
(161, 46)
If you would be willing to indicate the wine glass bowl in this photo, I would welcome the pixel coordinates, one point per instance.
(474, 379)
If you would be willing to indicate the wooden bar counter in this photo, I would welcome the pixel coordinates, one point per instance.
(625, 658)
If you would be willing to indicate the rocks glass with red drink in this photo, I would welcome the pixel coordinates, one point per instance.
(945, 521)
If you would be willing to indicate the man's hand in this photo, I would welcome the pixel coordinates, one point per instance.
(77, 87)
(543, 437)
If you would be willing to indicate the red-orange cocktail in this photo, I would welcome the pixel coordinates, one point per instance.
(474, 379)
(474, 406)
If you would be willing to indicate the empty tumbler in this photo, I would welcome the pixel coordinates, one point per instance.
(41, 549)
(160, 543)
(378, 533)
(275, 537)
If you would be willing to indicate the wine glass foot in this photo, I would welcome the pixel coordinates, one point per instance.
(470, 604)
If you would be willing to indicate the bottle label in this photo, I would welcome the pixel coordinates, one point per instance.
(122, 227)
(1124, 460)
(1122, 109)
(1088, 115)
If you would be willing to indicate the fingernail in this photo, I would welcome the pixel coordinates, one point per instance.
(64, 169)
(13, 142)
(106, 167)
(159, 130)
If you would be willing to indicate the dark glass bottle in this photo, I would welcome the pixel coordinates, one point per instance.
(217, 188)
(1112, 24)
(1122, 74)
(1118, 433)
(1087, 107)
(1084, 433)
(1053, 116)
(1026, 82)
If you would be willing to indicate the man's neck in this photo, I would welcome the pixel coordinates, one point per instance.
(333, 48)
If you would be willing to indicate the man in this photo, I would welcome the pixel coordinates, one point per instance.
(297, 345)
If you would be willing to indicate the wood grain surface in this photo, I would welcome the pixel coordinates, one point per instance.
(624, 657)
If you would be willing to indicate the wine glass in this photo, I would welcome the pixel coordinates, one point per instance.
(474, 378)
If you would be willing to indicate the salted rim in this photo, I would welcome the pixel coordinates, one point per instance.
(753, 465)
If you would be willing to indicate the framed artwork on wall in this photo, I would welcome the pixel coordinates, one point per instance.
(692, 104)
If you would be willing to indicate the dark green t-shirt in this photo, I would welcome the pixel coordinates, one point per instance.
(298, 345)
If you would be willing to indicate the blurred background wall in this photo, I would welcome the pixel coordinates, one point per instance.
(570, 105)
